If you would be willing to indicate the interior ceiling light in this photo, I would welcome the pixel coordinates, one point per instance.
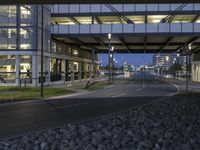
(156, 21)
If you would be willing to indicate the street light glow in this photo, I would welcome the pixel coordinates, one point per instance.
(189, 46)
(112, 48)
(167, 58)
(109, 36)
(177, 54)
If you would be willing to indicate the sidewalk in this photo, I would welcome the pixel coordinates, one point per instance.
(193, 86)
(78, 87)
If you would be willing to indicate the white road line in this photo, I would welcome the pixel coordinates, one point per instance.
(67, 106)
(178, 89)
(119, 95)
(139, 89)
(143, 85)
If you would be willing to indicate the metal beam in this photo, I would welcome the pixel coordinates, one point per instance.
(136, 51)
(166, 43)
(141, 13)
(191, 41)
(74, 20)
(9, 2)
(76, 40)
(171, 19)
(145, 44)
(195, 18)
(99, 41)
(195, 50)
(123, 44)
(97, 20)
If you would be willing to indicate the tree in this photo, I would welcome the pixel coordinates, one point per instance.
(175, 68)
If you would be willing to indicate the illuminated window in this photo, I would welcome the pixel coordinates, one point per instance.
(53, 46)
(25, 13)
(75, 52)
(75, 66)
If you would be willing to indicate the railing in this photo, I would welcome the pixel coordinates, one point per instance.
(127, 28)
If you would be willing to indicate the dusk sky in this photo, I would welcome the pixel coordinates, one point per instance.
(134, 59)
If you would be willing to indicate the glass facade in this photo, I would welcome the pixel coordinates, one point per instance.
(8, 68)
(62, 48)
(20, 27)
(101, 8)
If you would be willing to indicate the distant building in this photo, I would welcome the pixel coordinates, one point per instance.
(167, 60)
(162, 60)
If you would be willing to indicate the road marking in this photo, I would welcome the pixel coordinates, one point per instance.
(139, 89)
(67, 106)
(119, 95)
(143, 85)
(178, 89)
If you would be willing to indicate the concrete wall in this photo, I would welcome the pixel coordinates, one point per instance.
(196, 71)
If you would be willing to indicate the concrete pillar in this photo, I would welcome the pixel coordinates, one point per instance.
(91, 70)
(47, 70)
(34, 71)
(17, 62)
(67, 69)
(93, 63)
(63, 70)
(80, 70)
(72, 71)
(84, 70)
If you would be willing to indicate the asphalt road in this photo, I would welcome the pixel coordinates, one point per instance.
(25, 117)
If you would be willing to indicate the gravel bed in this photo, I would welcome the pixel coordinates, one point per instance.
(173, 124)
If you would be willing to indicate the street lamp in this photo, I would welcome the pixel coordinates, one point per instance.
(188, 53)
(112, 62)
(109, 58)
(116, 67)
(167, 59)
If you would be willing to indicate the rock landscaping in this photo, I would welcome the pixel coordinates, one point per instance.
(171, 124)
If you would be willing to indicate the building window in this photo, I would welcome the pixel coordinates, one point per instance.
(53, 47)
(75, 52)
(75, 66)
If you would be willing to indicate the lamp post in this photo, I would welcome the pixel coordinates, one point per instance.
(188, 50)
(178, 55)
(113, 68)
(112, 62)
(167, 59)
(109, 58)
(116, 68)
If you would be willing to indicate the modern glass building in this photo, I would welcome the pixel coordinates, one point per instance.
(20, 49)
(74, 34)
